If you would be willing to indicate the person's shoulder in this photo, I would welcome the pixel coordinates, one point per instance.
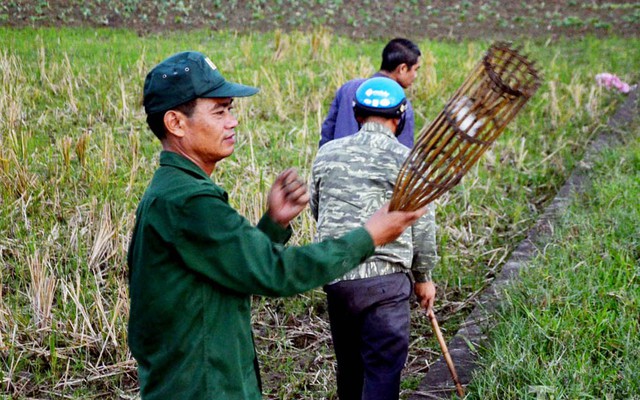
(389, 147)
(204, 199)
(351, 84)
(356, 81)
(334, 150)
(208, 187)
(401, 151)
(179, 184)
(334, 146)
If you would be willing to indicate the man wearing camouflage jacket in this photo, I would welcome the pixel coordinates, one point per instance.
(369, 306)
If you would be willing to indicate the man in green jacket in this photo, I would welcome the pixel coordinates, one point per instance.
(194, 262)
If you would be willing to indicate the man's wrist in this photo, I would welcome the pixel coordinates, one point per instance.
(421, 277)
(284, 224)
(274, 230)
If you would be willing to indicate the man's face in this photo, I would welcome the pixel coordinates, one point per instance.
(210, 135)
(408, 74)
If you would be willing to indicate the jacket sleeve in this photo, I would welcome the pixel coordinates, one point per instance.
(275, 232)
(406, 137)
(328, 130)
(314, 193)
(425, 255)
(217, 242)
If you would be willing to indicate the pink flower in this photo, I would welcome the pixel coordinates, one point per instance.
(611, 81)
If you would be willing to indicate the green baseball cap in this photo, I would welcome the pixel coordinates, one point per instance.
(186, 76)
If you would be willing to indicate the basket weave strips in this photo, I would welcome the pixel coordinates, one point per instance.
(470, 122)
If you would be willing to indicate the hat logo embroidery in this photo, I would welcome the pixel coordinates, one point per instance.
(211, 64)
(380, 93)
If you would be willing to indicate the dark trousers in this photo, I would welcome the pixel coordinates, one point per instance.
(370, 330)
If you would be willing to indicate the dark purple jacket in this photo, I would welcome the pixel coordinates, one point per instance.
(340, 121)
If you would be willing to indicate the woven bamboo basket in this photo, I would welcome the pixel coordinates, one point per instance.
(470, 122)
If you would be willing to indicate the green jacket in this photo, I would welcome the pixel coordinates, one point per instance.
(194, 263)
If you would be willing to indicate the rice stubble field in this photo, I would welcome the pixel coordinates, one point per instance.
(76, 156)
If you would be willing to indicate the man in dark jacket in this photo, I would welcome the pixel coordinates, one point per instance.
(400, 62)
(194, 262)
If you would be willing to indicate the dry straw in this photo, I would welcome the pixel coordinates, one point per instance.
(472, 119)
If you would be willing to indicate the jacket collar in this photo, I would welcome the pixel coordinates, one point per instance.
(171, 159)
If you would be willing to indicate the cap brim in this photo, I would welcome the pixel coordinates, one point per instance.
(230, 89)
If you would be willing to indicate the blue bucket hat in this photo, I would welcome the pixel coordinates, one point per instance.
(380, 96)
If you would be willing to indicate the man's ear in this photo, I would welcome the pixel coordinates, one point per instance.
(402, 68)
(174, 122)
(396, 126)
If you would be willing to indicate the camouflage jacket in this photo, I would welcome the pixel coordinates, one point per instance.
(354, 176)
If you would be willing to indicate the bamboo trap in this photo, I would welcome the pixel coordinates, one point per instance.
(491, 96)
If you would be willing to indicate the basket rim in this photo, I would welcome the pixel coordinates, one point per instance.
(529, 87)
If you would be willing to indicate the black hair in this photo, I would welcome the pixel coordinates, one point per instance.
(399, 51)
(156, 120)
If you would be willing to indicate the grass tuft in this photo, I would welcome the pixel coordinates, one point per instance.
(569, 328)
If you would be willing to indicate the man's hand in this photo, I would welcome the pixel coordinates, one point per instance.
(426, 293)
(287, 198)
(385, 226)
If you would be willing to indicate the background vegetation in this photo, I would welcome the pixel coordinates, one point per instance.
(75, 156)
(435, 19)
(575, 312)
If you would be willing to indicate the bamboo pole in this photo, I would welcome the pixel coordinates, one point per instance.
(445, 352)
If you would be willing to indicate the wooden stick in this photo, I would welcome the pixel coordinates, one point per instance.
(445, 352)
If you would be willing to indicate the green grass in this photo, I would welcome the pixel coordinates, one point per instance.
(570, 329)
(75, 157)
